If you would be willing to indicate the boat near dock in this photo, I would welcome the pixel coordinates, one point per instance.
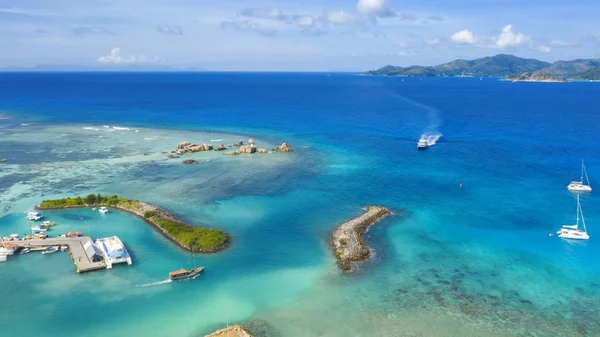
(113, 250)
(49, 250)
(34, 216)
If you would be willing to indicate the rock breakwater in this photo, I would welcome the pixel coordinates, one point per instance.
(347, 241)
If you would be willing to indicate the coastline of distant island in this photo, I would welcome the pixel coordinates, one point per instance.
(505, 66)
(198, 239)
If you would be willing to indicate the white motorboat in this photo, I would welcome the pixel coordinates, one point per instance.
(422, 144)
(113, 250)
(38, 229)
(34, 216)
(64, 248)
(3, 258)
(103, 210)
(49, 250)
(25, 251)
(579, 186)
(572, 231)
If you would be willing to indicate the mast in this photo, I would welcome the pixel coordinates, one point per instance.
(580, 213)
(194, 256)
(583, 170)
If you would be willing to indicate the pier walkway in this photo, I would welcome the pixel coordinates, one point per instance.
(77, 250)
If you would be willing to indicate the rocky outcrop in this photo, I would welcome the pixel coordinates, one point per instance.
(285, 147)
(247, 149)
(240, 143)
(186, 147)
(232, 331)
(262, 151)
(190, 161)
(183, 145)
(220, 147)
(347, 241)
(172, 156)
(231, 153)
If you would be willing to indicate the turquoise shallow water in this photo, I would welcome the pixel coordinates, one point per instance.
(468, 262)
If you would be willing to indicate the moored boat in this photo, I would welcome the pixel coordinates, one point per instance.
(113, 250)
(34, 216)
(579, 186)
(25, 251)
(103, 210)
(572, 231)
(49, 250)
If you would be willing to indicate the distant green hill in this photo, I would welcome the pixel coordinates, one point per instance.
(571, 68)
(537, 76)
(499, 65)
(591, 75)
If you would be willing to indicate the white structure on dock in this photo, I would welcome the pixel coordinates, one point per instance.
(113, 251)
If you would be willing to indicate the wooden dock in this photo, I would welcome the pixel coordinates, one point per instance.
(77, 250)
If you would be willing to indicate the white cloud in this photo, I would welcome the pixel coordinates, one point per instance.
(544, 49)
(116, 58)
(432, 41)
(465, 36)
(263, 13)
(508, 38)
(305, 21)
(169, 29)
(374, 8)
(340, 18)
(246, 25)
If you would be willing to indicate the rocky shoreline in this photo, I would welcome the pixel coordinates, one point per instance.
(347, 241)
(249, 148)
(150, 214)
(232, 331)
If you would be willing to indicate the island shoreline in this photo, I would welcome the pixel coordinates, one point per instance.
(159, 214)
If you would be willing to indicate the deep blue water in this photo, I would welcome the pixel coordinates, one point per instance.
(514, 146)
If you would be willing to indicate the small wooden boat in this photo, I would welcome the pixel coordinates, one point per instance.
(184, 274)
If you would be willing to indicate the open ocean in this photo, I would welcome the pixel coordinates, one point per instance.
(471, 261)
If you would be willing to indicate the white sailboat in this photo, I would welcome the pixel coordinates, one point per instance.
(579, 186)
(572, 231)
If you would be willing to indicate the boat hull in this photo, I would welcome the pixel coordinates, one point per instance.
(573, 234)
(190, 275)
(579, 188)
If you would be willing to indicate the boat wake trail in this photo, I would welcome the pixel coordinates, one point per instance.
(431, 138)
(155, 283)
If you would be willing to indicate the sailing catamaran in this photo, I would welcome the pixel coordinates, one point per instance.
(573, 231)
(579, 186)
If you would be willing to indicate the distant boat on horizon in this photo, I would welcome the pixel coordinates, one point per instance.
(579, 186)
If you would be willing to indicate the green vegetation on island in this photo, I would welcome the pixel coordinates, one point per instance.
(590, 75)
(538, 76)
(201, 239)
(498, 65)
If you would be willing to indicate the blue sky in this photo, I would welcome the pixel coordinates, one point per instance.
(349, 35)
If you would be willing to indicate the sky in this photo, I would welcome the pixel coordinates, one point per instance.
(292, 35)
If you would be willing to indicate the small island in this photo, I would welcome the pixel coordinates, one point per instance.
(537, 76)
(203, 240)
(347, 241)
